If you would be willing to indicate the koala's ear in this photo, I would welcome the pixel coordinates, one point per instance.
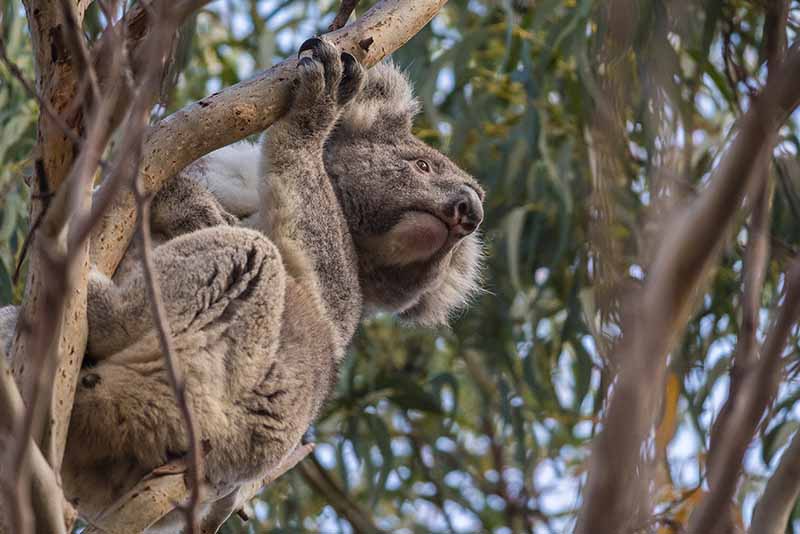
(384, 109)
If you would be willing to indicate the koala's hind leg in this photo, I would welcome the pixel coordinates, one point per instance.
(204, 276)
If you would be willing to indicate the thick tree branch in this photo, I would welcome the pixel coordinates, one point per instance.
(681, 262)
(244, 109)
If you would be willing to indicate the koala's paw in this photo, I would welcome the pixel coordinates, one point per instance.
(326, 77)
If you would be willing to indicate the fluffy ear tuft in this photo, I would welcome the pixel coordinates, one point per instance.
(386, 104)
(461, 283)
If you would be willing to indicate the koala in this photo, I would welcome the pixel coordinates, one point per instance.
(269, 257)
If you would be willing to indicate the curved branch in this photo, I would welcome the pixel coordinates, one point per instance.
(244, 109)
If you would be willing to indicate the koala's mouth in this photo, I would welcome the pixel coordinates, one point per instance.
(417, 237)
(426, 234)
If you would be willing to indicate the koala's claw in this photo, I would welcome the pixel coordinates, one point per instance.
(352, 79)
(321, 71)
(309, 44)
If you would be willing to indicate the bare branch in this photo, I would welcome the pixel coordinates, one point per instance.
(773, 510)
(684, 255)
(154, 497)
(346, 9)
(168, 349)
(758, 390)
(244, 109)
(756, 259)
(48, 504)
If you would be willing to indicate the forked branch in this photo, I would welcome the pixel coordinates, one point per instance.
(686, 252)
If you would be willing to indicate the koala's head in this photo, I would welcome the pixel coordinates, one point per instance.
(412, 212)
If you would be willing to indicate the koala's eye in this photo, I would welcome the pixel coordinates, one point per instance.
(423, 165)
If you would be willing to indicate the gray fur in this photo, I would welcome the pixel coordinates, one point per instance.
(348, 224)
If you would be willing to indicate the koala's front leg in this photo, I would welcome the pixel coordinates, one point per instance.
(305, 219)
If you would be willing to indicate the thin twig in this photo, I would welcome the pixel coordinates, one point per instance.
(156, 42)
(346, 9)
(174, 372)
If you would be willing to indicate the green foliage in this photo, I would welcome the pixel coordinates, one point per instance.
(18, 113)
(485, 427)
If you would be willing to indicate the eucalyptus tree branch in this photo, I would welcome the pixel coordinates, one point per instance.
(774, 508)
(346, 9)
(168, 349)
(51, 328)
(758, 389)
(47, 502)
(684, 255)
(48, 323)
(756, 256)
(155, 496)
(244, 109)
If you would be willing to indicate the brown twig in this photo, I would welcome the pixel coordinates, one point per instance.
(168, 349)
(346, 9)
(158, 38)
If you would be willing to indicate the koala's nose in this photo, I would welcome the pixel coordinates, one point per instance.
(466, 212)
